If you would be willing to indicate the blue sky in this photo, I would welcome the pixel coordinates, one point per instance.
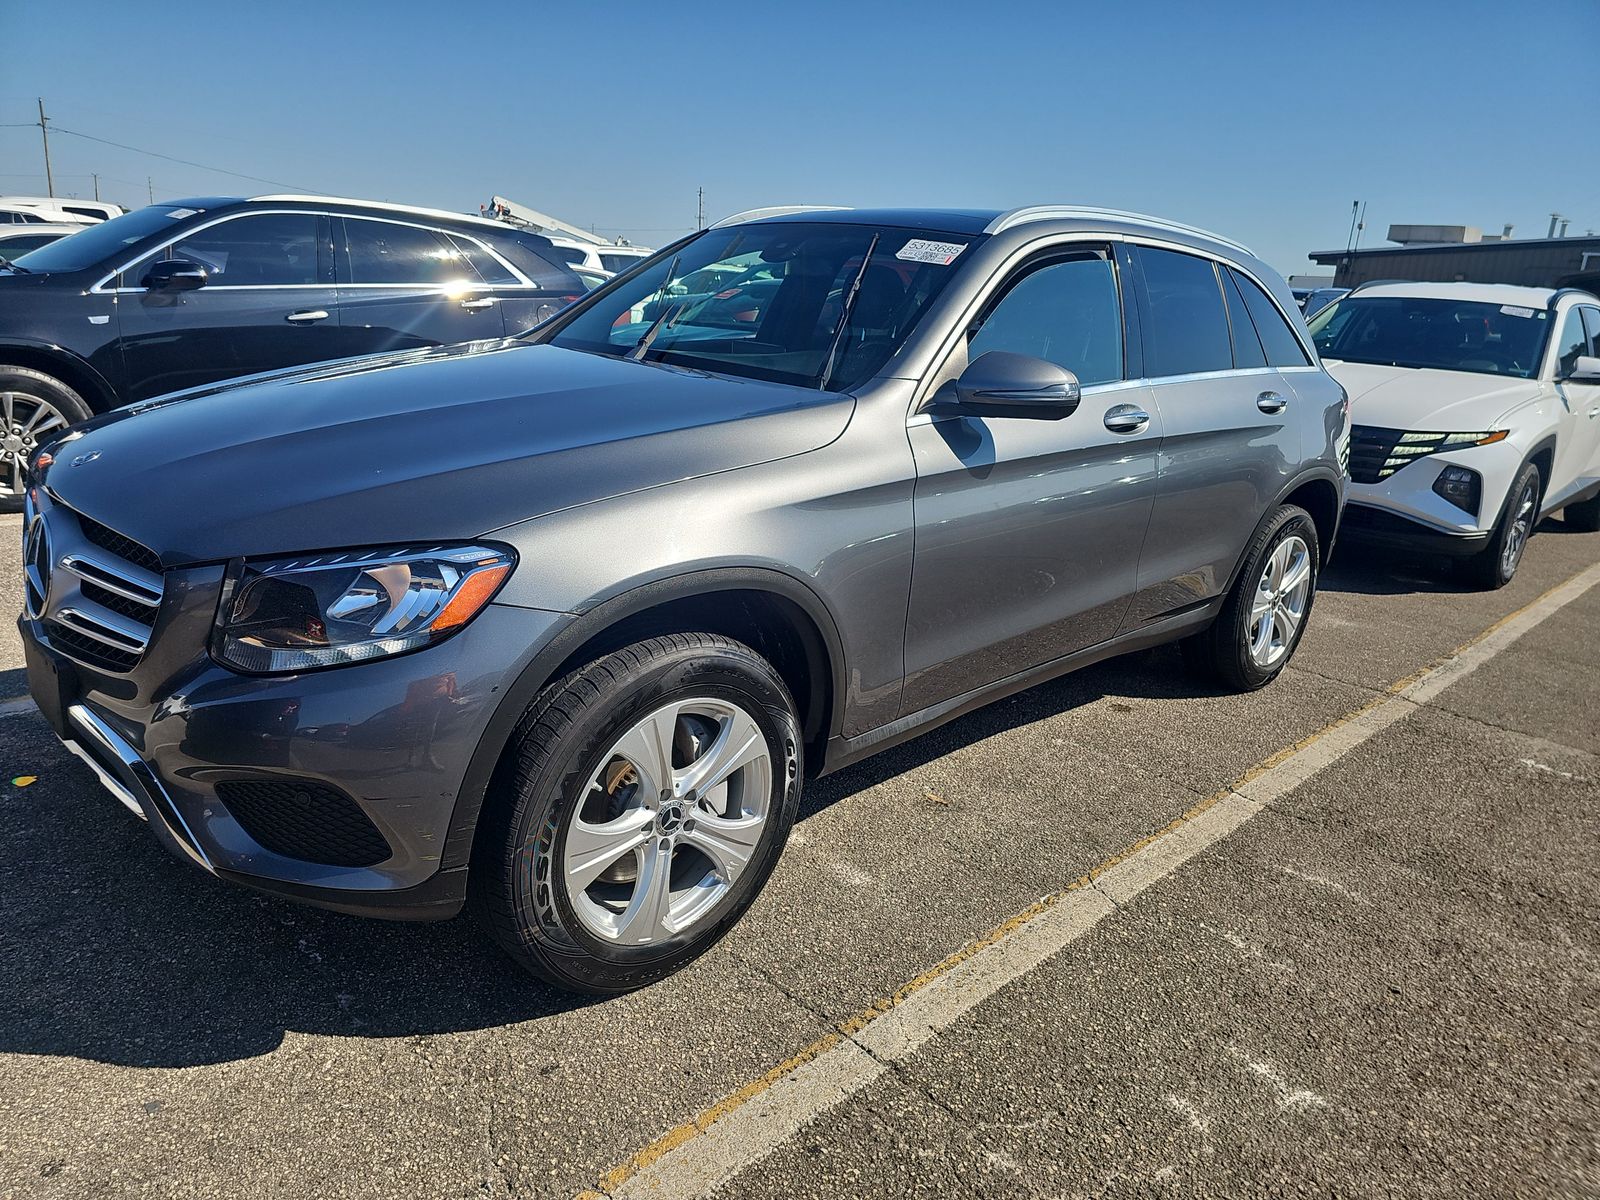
(1262, 121)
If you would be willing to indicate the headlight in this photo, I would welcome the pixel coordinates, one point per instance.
(300, 614)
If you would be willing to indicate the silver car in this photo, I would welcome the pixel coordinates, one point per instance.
(564, 622)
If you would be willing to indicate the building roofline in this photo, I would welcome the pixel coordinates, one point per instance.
(1324, 256)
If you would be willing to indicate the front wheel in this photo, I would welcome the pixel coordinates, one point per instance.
(1494, 565)
(34, 407)
(1264, 616)
(647, 798)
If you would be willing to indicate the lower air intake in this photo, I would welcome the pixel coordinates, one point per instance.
(308, 821)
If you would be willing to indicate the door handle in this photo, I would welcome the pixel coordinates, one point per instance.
(1271, 402)
(1127, 418)
(474, 305)
(306, 316)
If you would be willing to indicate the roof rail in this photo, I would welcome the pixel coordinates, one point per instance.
(1367, 283)
(413, 209)
(1058, 212)
(781, 210)
(1556, 296)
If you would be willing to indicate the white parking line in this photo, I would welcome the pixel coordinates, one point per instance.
(744, 1127)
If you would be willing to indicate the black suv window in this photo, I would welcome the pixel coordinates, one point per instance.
(257, 250)
(1283, 348)
(1066, 311)
(489, 268)
(539, 261)
(388, 252)
(1188, 326)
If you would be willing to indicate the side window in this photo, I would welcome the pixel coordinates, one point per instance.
(540, 262)
(569, 254)
(261, 250)
(488, 268)
(1247, 351)
(1572, 342)
(1591, 318)
(385, 252)
(1188, 326)
(1283, 348)
(1066, 311)
(618, 263)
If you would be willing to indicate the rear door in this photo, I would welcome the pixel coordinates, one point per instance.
(1028, 531)
(404, 286)
(267, 303)
(1231, 438)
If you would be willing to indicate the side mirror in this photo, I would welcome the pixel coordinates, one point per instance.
(175, 275)
(1002, 384)
(1585, 369)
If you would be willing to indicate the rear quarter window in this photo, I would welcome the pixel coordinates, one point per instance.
(1282, 346)
(541, 262)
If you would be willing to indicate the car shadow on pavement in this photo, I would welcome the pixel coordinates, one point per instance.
(1369, 570)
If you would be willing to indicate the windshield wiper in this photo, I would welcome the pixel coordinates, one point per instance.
(667, 319)
(844, 315)
(7, 265)
(649, 335)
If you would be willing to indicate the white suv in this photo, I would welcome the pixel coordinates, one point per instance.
(1475, 411)
(610, 258)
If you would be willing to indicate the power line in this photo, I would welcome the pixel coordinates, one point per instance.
(169, 158)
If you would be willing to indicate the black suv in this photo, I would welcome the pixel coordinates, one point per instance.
(190, 292)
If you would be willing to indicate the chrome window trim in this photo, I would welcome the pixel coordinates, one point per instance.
(100, 289)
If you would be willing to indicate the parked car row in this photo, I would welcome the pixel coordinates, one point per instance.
(565, 621)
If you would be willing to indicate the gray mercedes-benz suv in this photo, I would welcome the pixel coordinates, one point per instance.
(562, 622)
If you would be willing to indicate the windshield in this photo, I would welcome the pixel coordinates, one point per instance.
(766, 301)
(96, 243)
(1444, 335)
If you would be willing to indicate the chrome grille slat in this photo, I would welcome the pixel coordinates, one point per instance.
(125, 579)
(103, 625)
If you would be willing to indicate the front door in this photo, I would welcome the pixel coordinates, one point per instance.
(267, 303)
(1577, 458)
(404, 287)
(1028, 531)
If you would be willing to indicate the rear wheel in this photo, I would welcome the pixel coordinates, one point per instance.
(34, 407)
(1584, 515)
(647, 799)
(1265, 613)
(1494, 565)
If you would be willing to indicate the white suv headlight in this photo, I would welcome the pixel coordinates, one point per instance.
(327, 610)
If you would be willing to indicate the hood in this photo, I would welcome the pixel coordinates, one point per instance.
(1422, 398)
(429, 445)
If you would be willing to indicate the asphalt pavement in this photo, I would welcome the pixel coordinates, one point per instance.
(1382, 982)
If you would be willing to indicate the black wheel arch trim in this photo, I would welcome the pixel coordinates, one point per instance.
(1314, 474)
(584, 627)
(104, 397)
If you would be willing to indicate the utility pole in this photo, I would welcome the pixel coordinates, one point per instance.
(700, 216)
(44, 132)
(96, 187)
(150, 187)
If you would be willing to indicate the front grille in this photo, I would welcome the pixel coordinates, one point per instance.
(298, 818)
(1372, 453)
(119, 587)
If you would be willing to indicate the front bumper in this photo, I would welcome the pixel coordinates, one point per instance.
(1375, 526)
(392, 737)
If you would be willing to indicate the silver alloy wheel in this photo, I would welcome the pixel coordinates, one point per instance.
(1521, 528)
(1282, 595)
(668, 822)
(25, 421)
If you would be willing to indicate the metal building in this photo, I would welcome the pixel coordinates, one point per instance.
(1533, 262)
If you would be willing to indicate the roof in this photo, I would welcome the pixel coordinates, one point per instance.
(974, 220)
(1485, 293)
(1327, 256)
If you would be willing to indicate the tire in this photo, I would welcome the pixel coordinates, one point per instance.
(1584, 515)
(1495, 565)
(1231, 649)
(33, 408)
(576, 831)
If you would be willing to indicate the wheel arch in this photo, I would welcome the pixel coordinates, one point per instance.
(57, 361)
(776, 614)
(1318, 494)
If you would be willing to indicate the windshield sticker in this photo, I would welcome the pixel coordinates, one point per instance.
(940, 253)
(1511, 310)
(179, 214)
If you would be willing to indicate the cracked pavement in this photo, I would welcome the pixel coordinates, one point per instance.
(1384, 984)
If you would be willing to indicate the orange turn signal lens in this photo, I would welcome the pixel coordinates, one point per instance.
(1489, 439)
(473, 593)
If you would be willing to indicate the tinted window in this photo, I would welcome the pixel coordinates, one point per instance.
(1591, 317)
(808, 306)
(1247, 351)
(1423, 331)
(1066, 312)
(11, 247)
(267, 250)
(1283, 348)
(539, 261)
(109, 239)
(569, 254)
(1572, 342)
(618, 263)
(487, 267)
(384, 252)
(1188, 326)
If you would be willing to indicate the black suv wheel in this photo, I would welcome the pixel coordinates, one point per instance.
(33, 408)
